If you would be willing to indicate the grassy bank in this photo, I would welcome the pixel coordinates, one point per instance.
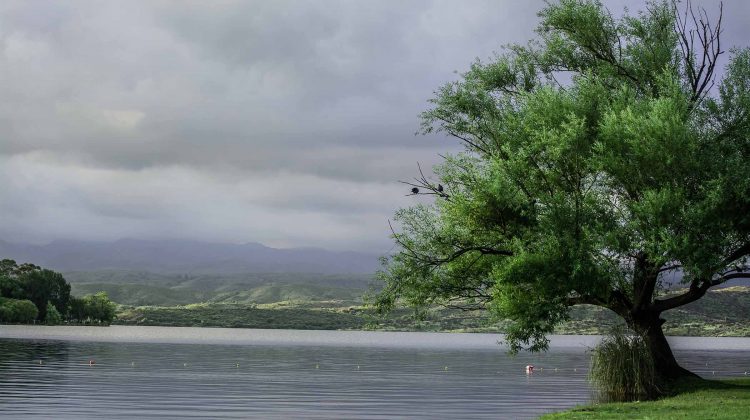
(694, 399)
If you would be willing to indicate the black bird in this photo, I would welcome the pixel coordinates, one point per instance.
(415, 190)
(440, 188)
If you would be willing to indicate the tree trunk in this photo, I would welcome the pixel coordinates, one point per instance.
(665, 364)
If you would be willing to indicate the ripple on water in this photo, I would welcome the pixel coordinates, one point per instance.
(166, 380)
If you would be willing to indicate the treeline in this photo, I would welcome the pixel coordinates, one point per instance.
(31, 294)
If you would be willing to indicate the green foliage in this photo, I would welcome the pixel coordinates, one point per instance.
(77, 310)
(17, 311)
(25, 311)
(53, 317)
(584, 192)
(43, 286)
(622, 368)
(11, 283)
(49, 293)
(95, 308)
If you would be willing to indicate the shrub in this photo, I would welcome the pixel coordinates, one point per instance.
(6, 311)
(622, 368)
(53, 316)
(23, 311)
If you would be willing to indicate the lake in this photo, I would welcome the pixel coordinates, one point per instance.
(163, 372)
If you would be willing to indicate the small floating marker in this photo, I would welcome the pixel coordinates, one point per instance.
(237, 365)
(358, 369)
(575, 369)
(555, 369)
(41, 362)
(132, 363)
(529, 369)
(184, 364)
(317, 366)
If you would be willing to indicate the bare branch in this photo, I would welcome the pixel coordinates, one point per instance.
(422, 183)
(701, 77)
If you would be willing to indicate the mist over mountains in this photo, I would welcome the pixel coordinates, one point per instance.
(182, 256)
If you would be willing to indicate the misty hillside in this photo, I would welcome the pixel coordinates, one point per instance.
(144, 288)
(178, 256)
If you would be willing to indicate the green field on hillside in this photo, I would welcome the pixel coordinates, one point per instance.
(318, 301)
(306, 307)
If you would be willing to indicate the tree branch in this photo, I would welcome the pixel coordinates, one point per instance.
(697, 289)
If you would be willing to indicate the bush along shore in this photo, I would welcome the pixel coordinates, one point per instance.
(30, 294)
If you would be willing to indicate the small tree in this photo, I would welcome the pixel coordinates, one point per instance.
(98, 307)
(24, 311)
(43, 286)
(77, 309)
(586, 191)
(11, 285)
(6, 310)
(52, 317)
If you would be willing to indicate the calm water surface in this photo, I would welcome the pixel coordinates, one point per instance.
(154, 372)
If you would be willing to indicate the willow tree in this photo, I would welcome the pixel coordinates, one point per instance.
(598, 159)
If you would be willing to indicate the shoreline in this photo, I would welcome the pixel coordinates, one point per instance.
(352, 338)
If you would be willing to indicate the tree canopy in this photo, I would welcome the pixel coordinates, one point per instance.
(29, 293)
(598, 158)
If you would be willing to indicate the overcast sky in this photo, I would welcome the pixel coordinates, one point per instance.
(285, 123)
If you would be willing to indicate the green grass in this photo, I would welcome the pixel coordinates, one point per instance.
(692, 399)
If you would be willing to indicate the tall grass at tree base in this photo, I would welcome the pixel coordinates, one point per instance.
(622, 368)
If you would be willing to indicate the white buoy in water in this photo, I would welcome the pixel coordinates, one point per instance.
(529, 369)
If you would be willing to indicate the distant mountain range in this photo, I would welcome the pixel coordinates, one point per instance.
(180, 256)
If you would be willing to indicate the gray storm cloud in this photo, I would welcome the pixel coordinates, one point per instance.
(287, 123)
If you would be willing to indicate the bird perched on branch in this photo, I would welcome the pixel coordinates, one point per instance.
(415, 190)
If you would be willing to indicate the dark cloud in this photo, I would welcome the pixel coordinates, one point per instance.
(283, 122)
